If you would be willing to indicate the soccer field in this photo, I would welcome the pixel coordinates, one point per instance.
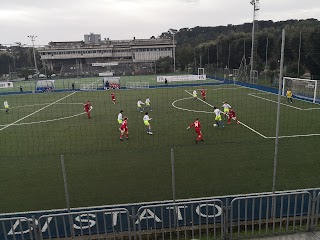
(102, 170)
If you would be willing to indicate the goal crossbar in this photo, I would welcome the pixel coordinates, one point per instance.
(304, 88)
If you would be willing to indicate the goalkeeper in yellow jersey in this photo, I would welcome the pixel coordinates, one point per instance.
(289, 95)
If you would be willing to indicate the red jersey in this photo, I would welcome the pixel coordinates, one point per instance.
(113, 96)
(232, 113)
(196, 125)
(87, 106)
(203, 92)
(124, 125)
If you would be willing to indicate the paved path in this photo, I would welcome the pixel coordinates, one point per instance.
(298, 236)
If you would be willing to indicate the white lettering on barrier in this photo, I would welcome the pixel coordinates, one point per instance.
(143, 215)
(219, 210)
(18, 223)
(178, 211)
(114, 216)
(85, 220)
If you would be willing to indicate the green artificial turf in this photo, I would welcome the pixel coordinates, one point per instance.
(103, 170)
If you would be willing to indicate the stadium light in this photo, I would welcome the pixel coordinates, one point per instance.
(256, 7)
(32, 37)
(173, 32)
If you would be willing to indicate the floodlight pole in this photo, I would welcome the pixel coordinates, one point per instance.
(173, 32)
(256, 8)
(32, 37)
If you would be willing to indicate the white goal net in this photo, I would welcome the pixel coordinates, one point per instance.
(303, 88)
(132, 85)
(45, 86)
(88, 86)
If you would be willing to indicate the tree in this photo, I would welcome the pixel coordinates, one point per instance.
(164, 63)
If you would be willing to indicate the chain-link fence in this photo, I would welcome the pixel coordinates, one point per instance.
(161, 159)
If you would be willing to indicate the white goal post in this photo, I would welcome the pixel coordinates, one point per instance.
(45, 85)
(302, 88)
(131, 85)
(201, 71)
(88, 86)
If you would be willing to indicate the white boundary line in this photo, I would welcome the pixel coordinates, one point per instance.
(261, 135)
(301, 109)
(266, 99)
(39, 104)
(45, 121)
(295, 136)
(265, 92)
(36, 111)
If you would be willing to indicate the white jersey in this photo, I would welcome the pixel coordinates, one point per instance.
(147, 101)
(194, 93)
(146, 118)
(217, 112)
(139, 103)
(120, 116)
(6, 104)
(226, 106)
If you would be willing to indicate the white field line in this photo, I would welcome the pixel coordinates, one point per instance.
(39, 104)
(36, 112)
(216, 89)
(265, 92)
(261, 135)
(45, 121)
(266, 99)
(189, 110)
(296, 136)
(301, 109)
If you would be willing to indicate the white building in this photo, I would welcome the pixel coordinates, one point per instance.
(127, 55)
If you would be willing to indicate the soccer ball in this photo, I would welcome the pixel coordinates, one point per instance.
(215, 125)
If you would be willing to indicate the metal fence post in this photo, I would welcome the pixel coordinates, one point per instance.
(67, 194)
(36, 228)
(173, 176)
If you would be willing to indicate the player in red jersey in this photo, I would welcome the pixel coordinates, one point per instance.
(232, 115)
(124, 129)
(203, 94)
(197, 128)
(87, 107)
(113, 97)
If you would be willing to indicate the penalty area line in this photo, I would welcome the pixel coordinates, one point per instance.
(296, 136)
(36, 112)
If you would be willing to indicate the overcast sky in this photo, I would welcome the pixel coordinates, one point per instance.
(69, 20)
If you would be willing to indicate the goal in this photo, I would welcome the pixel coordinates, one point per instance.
(303, 88)
(131, 85)
(88, 86)
(45, 86)
(201, 71)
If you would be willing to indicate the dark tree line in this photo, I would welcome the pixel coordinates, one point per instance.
(211, 45)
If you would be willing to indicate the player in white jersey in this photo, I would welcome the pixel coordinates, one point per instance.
(146, 120)
(6, 106)
(218, 119)
(195, 95)
(226, 106)
(148, 104)
(120, 118)
(139, 105)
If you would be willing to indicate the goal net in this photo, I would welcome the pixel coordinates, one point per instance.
(88, 86)
(131, 85)
(303, 88)
(111, 83)
(200, 71)
(45, 86)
